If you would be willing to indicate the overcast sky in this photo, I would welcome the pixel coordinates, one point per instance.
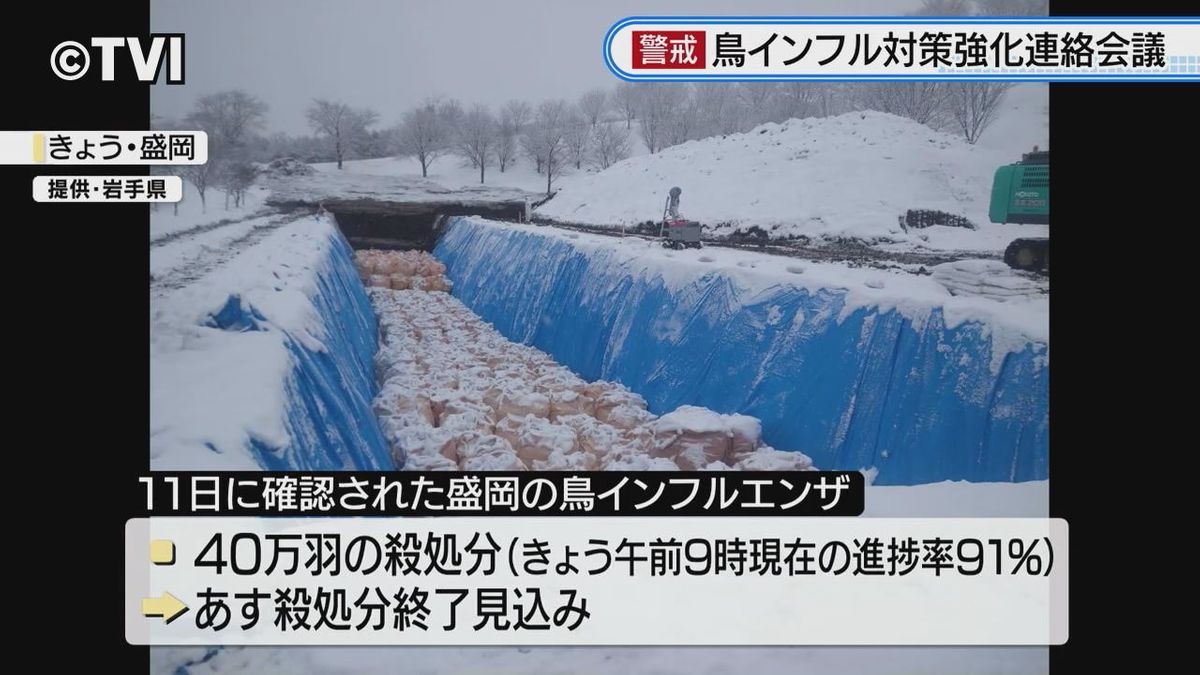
(391, 54)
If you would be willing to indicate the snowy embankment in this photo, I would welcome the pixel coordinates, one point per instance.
(260, 353)
(856, 368)
(849, 176)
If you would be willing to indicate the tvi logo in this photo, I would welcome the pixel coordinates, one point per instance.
(70, 60)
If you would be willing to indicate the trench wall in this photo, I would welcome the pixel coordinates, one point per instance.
(918, 400)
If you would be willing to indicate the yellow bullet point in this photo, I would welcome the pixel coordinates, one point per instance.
(168, 607)
(39, 148)
(162, 552)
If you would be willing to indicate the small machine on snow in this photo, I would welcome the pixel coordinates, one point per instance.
(1021, 194)
(679, 232)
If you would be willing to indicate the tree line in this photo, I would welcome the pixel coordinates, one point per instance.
(594, 131)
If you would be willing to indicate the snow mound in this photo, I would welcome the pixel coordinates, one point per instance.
(458, 395)
(852, 175)
(287, 166)
(988, 278)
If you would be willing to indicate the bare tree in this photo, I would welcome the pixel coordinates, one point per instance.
(682, 119)
(832, 98)
(345, 127)
(544, 138)
(756, 100)
(610, 146)
(719, 110)
(658, 106)
(577, 136)
(451, 112)
(794, 99)
(593, 104)
(160, 123)
(229, 117)
(974, 105)
(625, 99)
(476, 136)
(922, 102)
(234, 178)
(200, 176)
(426, 132)
(513, 118)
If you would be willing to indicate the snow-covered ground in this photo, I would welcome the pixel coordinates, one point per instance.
(847, 176)
(352, 184)
(448, 172)
(184, 248)
(165, 222)
(213, 391)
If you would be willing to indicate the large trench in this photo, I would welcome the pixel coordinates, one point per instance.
(922, 399)
(457, 395)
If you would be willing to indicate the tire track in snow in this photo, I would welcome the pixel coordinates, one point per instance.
(213, 255)
(196, 230)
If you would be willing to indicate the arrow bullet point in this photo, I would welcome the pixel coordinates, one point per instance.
(168, 607)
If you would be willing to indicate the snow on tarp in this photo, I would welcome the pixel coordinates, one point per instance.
(855, 368)
(266, 361)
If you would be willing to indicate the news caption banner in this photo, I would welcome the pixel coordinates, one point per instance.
(591, 558)
(171, 149)
(1040, 49)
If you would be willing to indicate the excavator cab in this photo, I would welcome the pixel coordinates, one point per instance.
(1021, 194)
(1021, 191)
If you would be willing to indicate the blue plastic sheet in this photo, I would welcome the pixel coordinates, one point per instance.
(329, 419)
(871, 389)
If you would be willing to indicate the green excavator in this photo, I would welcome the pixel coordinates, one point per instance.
(1021, 194)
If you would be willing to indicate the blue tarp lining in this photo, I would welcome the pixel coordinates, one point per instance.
(921, 403)
(329, 419)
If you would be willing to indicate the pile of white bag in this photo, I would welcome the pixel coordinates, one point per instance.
(457, 395)
(401, 270)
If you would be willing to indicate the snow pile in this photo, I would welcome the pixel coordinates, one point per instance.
(988, 278)
(401, 270)
(287, 166)
(457, 395)
(852, 175)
